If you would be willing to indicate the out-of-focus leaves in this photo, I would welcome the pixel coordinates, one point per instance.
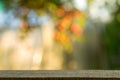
(69, 28)
(37, 4)
(90, 1)
(112, 40)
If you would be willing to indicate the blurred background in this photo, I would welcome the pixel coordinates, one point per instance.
(59, 34)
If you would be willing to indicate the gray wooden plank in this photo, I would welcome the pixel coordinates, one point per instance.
(55, 73)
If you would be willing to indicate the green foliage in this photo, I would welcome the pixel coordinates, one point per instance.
(33, 3)
(112, 40)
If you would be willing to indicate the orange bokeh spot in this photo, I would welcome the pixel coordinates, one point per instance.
(68, 17)
(76, 29)
(78, 14)
(57, 35)
(64, 38)
(24, 25)
(64, 23)
(60, 26)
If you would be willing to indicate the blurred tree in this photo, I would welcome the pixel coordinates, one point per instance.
(69, 22)
(40, 5)
(2, 6)
(112, 39)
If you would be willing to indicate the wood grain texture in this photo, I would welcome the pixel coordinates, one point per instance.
(58, 74)
(59, 78)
